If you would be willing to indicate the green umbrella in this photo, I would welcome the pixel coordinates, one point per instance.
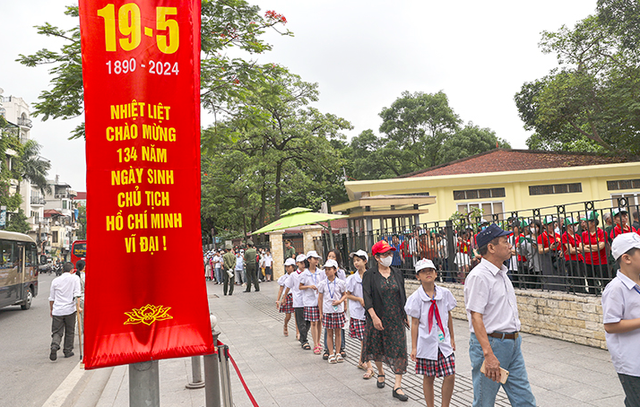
(298, 217)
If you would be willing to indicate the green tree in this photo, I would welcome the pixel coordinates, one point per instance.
(470, 140)
(17, 222)
(282, 136)
(31, 167)
(226, 24)
(590, 102)
(419, 123)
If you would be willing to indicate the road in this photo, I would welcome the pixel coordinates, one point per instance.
(27, 376)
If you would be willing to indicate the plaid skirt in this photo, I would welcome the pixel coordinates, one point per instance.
(356, 328)
(311, 314)
(287, 306)
(444, 366)
(334, 320)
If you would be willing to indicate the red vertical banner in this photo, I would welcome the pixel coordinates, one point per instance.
(145, 295)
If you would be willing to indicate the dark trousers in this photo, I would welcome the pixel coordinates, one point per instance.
(595, 275)
(228, 282)
(303, 325)
(63, 325)
(631, 387)
(252, 277)
(575, 271)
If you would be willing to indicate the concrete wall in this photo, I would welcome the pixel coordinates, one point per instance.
(573, 318)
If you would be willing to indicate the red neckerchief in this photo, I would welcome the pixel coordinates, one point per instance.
(434, 310)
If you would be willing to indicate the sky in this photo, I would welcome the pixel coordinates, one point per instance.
(363, 55)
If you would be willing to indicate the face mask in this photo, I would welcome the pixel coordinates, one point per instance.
(386, 261)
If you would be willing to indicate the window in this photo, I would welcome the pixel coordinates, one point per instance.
(623, 184)
(489, 208)
(64, 204)
(479, 194)
(54, 236)
(555, 189)
(8, 254)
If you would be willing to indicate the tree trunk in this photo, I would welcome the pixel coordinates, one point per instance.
(278, 174)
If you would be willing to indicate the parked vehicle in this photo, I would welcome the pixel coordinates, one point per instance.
(18, 269)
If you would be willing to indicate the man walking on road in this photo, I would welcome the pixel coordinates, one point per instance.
(65, 289)
(494, 324)
(251, 264)
(228, 264)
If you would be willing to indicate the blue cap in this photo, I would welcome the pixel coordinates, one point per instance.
(491, 232)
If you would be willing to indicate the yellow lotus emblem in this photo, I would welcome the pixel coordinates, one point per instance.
(147, 315)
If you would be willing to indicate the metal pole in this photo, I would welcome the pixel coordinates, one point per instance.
(196, 374)
(223, 358)
(212, 377)
(144, 384)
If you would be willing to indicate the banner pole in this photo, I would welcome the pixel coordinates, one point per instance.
(196, 374)
(144, 384)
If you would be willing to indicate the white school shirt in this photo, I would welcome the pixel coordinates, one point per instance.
(341, 275)
(217, 259)
(417, 306)
(331, 290)
(64, 290)
(310, 296)
(282, 281)
(620, 300)
(354, 286)
(488, 291)
(267, 260)
(293, 284)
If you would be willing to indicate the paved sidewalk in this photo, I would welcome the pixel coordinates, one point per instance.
(280, 373)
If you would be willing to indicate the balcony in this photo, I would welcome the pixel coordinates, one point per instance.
(24, 122)
(37, 200)
(61, 195)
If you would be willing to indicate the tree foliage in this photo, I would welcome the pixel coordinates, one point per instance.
(226, 25)
(419, 130)
(277, 152)
(590, 103)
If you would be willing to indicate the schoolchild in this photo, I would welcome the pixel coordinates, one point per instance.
(573, 260)
(284, 303)
(293, 284)
(342, 275)
(621, 315)
(357, 318)
(331, 298)
(309, 281)
(432, 339)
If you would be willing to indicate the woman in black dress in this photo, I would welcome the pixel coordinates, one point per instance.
(384, 298)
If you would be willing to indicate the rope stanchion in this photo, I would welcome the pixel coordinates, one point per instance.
(244, 384)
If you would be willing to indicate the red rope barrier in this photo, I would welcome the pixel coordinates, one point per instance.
(235, 366)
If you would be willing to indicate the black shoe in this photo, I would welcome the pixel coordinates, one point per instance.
(257, 290)
(401, 397)
(343, 353)
(68, 355)
(325, 355)
(53, 355)
(379, 383)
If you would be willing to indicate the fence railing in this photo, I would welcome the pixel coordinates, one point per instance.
(561, 248)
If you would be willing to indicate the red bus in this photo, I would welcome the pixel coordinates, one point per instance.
(78, 251)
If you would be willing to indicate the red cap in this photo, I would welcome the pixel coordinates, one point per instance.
(382, 247)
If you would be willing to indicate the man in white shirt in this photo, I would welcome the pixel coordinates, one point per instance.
(621, 315)
(65, 289)
(494, 324)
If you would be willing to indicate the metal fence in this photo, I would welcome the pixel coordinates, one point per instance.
(560, 248)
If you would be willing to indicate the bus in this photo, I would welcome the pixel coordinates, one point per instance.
(78, 251)
(18, 269)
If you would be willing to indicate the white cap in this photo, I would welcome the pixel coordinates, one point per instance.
(623, 243)
(301, 258)
(312, 253)
(290, 262)
(359, 253)
(424, 264)
(331, 263)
